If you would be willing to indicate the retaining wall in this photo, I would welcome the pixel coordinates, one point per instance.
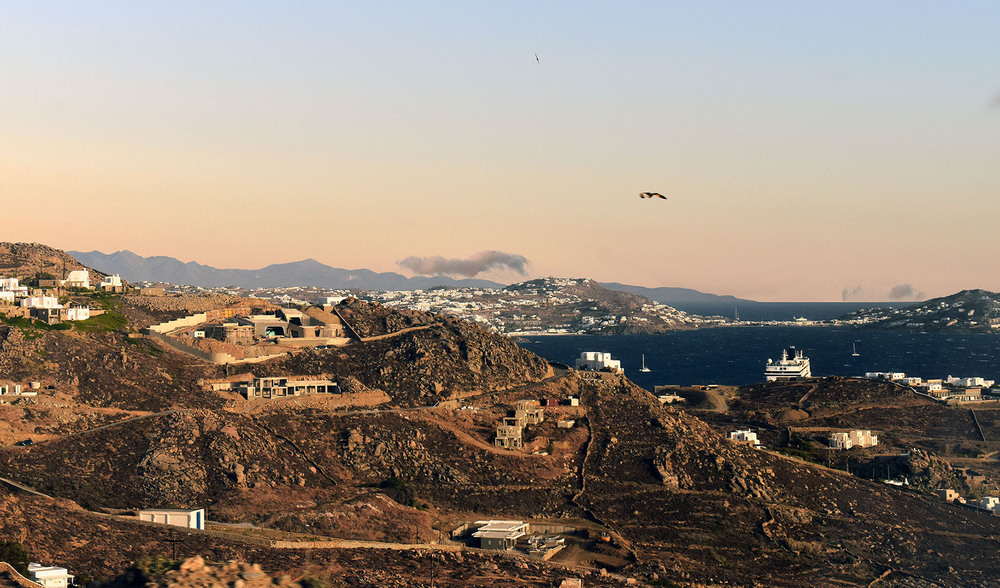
(187, 321)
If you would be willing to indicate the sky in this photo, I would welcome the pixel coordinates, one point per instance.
(809, 151)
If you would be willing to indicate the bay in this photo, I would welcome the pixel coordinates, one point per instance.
(736, 355)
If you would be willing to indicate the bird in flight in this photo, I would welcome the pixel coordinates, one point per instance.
(536, 58)
(651, 194)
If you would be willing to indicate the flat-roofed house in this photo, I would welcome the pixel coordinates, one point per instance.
(500, 535)
(50, 576)
(178, 517)
(857, 438)
(112, 284)
(77, 279)
(597, 361)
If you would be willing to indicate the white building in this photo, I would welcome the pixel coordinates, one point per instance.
(989, 503)
(78, 279)
(500, 535)
(111, 283)
(42, 301)
(50, 576)
(746, 436)
(884, 375)
(7, 389)
(858, 438)
(596, 361)
(6, 296)
(178, 517)
(78, 313)
(974, 382)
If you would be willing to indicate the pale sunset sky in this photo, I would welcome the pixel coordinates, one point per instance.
(810, 151)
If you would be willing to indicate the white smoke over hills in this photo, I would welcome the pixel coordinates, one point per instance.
(898, 293)
(474, 265)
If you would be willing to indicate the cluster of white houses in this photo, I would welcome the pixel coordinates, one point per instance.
(950, 388)
(41, 304)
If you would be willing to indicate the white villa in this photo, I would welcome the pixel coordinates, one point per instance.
(596, 361)
(746, 436)
(50, 576)
(850, 439)
(500, 535)
(77, 279)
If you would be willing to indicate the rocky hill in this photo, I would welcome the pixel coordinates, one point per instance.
(26, 260)
(549, 305)
(965, 311)
(932, 445)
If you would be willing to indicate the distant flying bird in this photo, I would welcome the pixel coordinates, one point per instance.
(536, 58)
(651, 194)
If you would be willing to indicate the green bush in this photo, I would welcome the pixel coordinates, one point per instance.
(313, 582)
(399, 490)
(16, 555)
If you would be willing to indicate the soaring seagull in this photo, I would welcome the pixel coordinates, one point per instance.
(651, 194)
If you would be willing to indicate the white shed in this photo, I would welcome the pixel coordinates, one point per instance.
(178, 517)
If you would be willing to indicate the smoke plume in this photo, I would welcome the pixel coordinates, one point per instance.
(905, 292)
(474, 265)
(855, 293)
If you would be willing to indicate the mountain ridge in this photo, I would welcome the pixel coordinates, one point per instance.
(310, 272)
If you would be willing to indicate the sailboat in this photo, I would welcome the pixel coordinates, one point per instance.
(644, 368)
(854, 352)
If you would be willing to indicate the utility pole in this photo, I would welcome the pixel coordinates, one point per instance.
(173, 541)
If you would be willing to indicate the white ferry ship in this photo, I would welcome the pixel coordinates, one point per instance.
(792, 366)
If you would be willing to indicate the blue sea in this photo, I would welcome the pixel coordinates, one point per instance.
(736, 355)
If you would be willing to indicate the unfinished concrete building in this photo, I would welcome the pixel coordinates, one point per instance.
(282, 386)
(511, 429)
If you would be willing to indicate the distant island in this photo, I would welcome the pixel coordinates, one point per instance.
(965, 311)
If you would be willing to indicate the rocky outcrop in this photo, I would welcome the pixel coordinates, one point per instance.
(195, 573)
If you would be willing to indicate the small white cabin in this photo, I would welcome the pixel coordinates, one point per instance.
(178, 517)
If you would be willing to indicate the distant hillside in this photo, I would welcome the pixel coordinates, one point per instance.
(968, 310)
(23, 260)
(673, 296)
(307, 272)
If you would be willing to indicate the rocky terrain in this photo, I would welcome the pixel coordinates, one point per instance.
(27, 260)
(965, 311)
(367, 495)
(933, 445)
